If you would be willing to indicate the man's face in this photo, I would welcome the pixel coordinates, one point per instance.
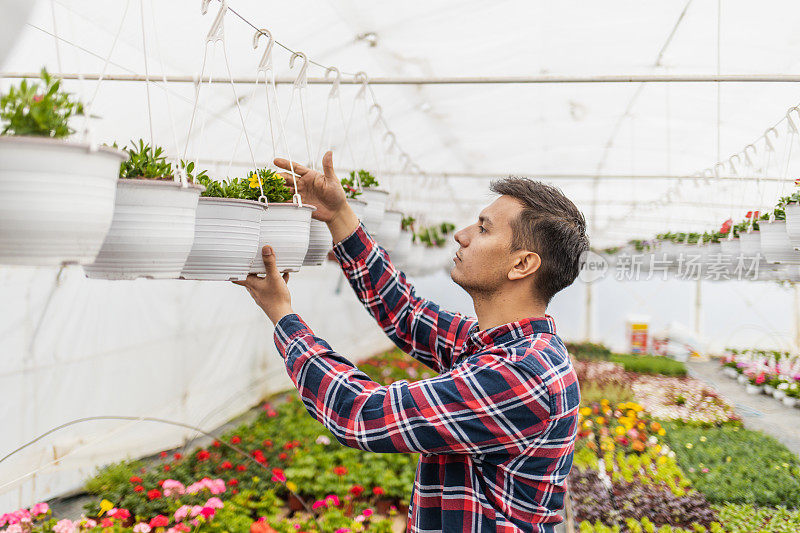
(485, 258)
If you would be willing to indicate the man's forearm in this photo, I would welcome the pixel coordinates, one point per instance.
(343, 223)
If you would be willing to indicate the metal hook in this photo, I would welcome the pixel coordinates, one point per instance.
(216, 33)
(362, 78)
(266, 59)
(336, 81)
(302, 76)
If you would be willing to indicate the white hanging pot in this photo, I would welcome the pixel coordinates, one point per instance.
(358, 207)
(788, 401)
(753, 389)
(769, 389)
(226, 236)
(750, 244)
(730, 250)
(319, 243)
(793, 224)
(56, 200)
(375, 208)
(286, 227)
(152, 231)
(779, 394)
(402, 250)
(775, 244)
(389, 231)
(742, 379)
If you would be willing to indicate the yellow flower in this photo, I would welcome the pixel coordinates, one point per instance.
(604, 401)
(703, 439)
(631, 413)
(728, 459)
(105, 506)
(292, 486)
(689, 445)
(601, 420)
(785, 465)
(662, 459)
(587, 424)
(619, 430)
(585, 411)
(662, 432)
(256, 479)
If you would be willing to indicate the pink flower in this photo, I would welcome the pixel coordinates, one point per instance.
(705, 470)
(367, 513)
(90, 524)
(181, 513)
(40, 508)
(207, 512)
(343, 530)
(62, 526)
(319, 503)
(16, 528)
(141, 527)
(120, 514)
(278, 475)
(333, 498)
(173, 487)
(215, 503)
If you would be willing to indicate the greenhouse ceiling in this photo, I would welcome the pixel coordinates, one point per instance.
(616, 147)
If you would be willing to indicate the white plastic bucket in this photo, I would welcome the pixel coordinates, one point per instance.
(730, 250)
(750, 244)
(152, 231)
(375, 208)
(389, 231)
(775, 244)
(793, 224)
(358, 207)
(402, 250)
(56, 200)
(319, 243)
(285, 227)
(226, 236)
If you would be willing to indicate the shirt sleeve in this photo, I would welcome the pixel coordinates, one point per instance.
(417, 326)
(483, 405)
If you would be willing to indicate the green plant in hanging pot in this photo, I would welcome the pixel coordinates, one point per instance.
(407, 223)
(284, 225)
(70, 214)
(361, 177)
(371, 214)
(154, 217)
(792, 213)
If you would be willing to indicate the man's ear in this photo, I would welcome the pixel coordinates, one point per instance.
(526, 264)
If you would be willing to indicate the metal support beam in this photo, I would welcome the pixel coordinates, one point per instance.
(452, 80)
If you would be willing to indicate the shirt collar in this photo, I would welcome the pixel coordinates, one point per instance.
(511, 331)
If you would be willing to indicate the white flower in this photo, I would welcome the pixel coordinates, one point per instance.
(322, 439)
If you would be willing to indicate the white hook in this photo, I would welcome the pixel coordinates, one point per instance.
(747, 155)
(406, 161)
(716, 169)
(770, 146)
(362, 78)
(379, 111)
(733, 167)
(391, 134)
(266, 59)
(708, 172)
(302, 76)
(336, 81)
(792, 126)
(216, 33)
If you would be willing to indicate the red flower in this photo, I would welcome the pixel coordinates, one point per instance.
(356, 490)
(122, 514)
(216, 444)
(37, 98)
(161, 482)
(177, 456)
(378, 491)
(278, 475)
(288, 446)
(283, 456)
(340, 470)
(267, 443)
(226, 465)
(233, 482)
(726, 226)
(241, 468)
(153, 494)
(271, 413)
(261, 459)
(752, 214)
(107, 522)
(159, 521)
(138, 488)
(167, 468)
(135, 479)
(202, 455)
(235, 491)
(163, 454)
(236, 440)
(207, 512)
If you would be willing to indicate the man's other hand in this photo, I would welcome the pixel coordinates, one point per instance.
(270, 292)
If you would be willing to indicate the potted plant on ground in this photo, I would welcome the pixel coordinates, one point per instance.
(227, 230)
(363, 186)
(154, 216)
(67, 218)
(285, 224)
(792, 394)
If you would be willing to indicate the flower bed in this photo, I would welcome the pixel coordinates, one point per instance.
(689, 400)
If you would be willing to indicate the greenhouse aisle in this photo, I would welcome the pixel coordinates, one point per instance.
(758, 411)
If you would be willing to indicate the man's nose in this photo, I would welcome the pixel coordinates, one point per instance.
(461, 237)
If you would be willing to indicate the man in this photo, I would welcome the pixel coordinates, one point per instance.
(496, 428)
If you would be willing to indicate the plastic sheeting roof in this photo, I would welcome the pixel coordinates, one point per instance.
(465, 130)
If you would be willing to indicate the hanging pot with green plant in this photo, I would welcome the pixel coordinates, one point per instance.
(389, 232)
(154, 218)
(401, 252)
(775, 243)
(285, 224)
(227, 231)
(792, 211)
(362, 185)
(56, 194)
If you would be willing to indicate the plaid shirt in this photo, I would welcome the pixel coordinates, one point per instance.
(495, 430)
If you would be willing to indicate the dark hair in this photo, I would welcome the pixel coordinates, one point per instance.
(549, 225)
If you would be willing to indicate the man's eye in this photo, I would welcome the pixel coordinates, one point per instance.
(482, 229)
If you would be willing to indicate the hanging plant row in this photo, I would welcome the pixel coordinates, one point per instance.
(130, 213)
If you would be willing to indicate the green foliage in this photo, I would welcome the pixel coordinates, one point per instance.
(275, 188)
(733, 464)
(747, 518)
(614, 392)
(431, 237)
(650, 364)
(446, 228)
(112, 481)
(588, 351)
(38, 109)
(366, 180)
(146, 162)
(408, 223)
